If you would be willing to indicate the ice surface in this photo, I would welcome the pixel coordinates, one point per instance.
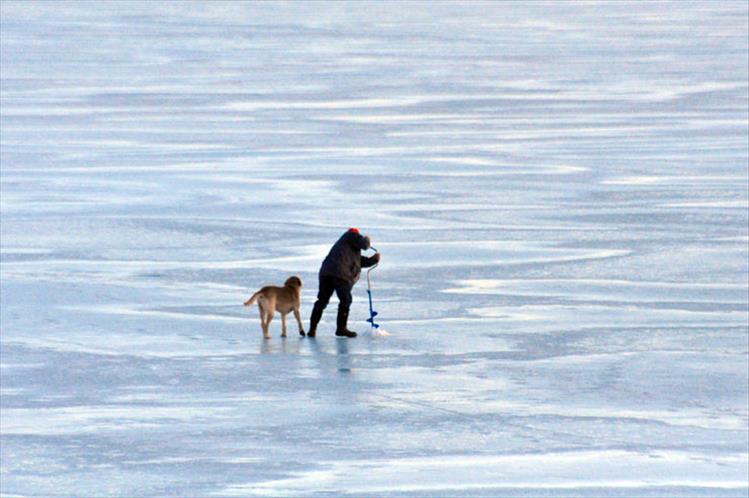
(559, 191)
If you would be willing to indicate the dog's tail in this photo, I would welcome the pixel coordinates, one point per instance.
(252, 300)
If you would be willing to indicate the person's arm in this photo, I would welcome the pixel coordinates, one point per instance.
(371, 261)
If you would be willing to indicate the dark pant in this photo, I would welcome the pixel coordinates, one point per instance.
(328, 285)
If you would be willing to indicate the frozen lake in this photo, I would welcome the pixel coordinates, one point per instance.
(559, 192)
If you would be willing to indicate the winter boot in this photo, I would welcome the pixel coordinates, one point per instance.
(341, 327)
(313, 321)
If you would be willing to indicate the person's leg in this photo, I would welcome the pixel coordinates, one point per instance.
(343, 291)
(325, 290)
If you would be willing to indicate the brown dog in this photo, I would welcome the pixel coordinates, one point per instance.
(282, 299)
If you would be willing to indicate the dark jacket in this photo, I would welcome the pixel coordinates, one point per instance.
(344, 260)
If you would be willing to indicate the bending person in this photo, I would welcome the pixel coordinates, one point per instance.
(339, 272)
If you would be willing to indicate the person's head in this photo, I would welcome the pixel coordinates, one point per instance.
(356, 239)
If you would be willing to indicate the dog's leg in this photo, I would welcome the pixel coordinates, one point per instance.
(298, 317)
(283, 324)
(268, 319)
(263, 324)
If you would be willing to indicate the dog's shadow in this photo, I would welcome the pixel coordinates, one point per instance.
(283, 346)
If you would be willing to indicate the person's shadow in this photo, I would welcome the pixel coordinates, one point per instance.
(342, 358)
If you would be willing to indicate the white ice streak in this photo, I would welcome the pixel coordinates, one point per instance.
(674, 180)
(605, 470)
(629, 291)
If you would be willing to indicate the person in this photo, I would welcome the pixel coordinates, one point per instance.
(339, 272)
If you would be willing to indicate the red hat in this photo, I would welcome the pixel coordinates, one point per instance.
(352, 229)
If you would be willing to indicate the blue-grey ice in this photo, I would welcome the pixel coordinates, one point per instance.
(559, 191)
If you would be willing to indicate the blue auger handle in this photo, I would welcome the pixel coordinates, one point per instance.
(372, 312)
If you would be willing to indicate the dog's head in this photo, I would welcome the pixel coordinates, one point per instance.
(293, 282)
